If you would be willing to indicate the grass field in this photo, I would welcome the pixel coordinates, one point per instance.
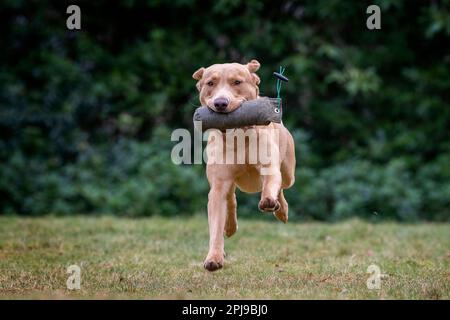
(162, 258)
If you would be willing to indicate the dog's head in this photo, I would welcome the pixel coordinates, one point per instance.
(223, 87)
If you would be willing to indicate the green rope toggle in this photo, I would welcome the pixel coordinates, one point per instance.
(279, 82)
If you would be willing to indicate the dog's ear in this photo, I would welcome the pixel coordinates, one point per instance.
(255, 78)
(198, 74)
(253, 66)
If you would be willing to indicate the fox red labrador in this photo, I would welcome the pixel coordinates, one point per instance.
(223, 88)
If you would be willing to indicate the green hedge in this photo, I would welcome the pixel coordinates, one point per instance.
(86, 116)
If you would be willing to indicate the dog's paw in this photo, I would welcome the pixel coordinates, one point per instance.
(230, 228)
(214, 261)
(212, 265)
(268, 204)
(281, 215)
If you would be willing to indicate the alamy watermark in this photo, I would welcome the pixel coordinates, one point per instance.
(74, 280)
(234, 146)
(73, 22)
(374, 20)
(374, 281)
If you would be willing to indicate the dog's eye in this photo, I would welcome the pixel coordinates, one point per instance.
(210, 83)
(237, 82)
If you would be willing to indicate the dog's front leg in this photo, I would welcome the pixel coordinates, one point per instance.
(217, 214)
(271, 187)
(270, 171)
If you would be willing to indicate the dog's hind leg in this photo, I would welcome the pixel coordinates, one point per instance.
(231, 225)
(282, 212)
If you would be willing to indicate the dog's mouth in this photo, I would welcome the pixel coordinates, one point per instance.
(230, 108)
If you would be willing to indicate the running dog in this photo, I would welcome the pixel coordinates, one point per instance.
(223, 88)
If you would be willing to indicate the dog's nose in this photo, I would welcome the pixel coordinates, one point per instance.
(221, 103)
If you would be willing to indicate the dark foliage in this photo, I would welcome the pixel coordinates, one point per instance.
(86, 116)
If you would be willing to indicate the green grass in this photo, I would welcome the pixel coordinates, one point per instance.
(162, 258)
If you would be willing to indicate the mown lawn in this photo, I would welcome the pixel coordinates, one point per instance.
(162, 258)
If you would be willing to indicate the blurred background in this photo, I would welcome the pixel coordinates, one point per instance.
(86, 116)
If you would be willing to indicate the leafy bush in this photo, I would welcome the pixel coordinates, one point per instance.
(85, 115)
(129, 178)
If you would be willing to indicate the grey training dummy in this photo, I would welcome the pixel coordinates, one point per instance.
(261, 111)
